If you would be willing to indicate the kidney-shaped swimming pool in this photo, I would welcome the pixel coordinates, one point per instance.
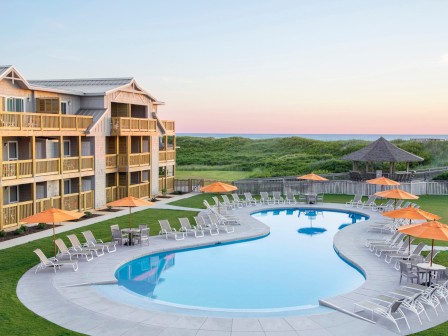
(288, 270)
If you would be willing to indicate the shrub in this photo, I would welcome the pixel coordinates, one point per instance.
(109, 208)
(153, 199)
(41, 226)
(18, 232)
(24, 228)
(164, 191)
(88, 214)
(2, 233)
(441, 177)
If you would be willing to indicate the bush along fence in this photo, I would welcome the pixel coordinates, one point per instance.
(255, 186)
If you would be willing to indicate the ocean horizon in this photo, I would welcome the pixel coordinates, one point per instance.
(322, 137)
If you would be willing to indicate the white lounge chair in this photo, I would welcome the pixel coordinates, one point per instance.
(91, 241)
(392, 311)
(277, 197)
(250, 200)
(53, 263)
(167, 230)
(237, 200)
(290, 199)
(389, 205)
(188, 228)
(201, 224)
(370, 203)
(77, 246)
(265, 199)
(228, 203)
(64, 250)
(357, 200)
(220, 225)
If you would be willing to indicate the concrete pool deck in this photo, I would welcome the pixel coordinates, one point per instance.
(68, 298)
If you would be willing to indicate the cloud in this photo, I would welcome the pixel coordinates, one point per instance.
(444, 59)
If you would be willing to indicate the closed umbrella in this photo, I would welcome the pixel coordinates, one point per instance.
(218, 188)
(430, 230)
(52, 216)
(130, 202)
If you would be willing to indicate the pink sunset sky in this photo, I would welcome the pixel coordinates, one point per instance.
(254, 66)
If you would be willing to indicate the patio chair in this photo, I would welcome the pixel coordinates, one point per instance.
(64, 250)
(391, 311)
(220, 225)
(357, 199)
(389, 205)
(407, 273)
(237, 200)
(415, 250)
(396, 238)
(77, 246)
(92, 241)
(370, 203)
(167, 230)
(118, 236)
(277, 197)
(398, 204)
(53, 263)
(228, 203)
(301, 198)
(144, 236)
(265, 199)
(381, 241)
(250, 200)
(201, 224)
(410, 303)
(290, 199)
(400, 247)
(188, 228)
(320, 198)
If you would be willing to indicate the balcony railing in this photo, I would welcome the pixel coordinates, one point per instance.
(135, 190)
(126, 126)
(87, 163)
(135, 160)
(47, 166)
(70, 164)
(111, 194)
(168, 125)
(25, 121)
(17, 169)
(14, 213)
(111, 160)
(83, 201)
(169, 155)
(47, 203)
(166, 183)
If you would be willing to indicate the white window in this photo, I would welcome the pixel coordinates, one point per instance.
(64, 107)
(67, 187)
(15, 104)
(67, 151)
(13, 193)
(13, 150)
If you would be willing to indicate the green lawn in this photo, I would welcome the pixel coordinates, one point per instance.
(16, 319)
(219, 175)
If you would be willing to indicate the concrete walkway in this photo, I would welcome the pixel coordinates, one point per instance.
(77, 305)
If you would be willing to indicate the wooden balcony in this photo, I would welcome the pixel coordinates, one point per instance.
(166, 183)
(15, 123)
(111, 160)
(17, 169)
(136, 190)
(47, 167)
(134, 160)
(133, 126)
(47, 203)
(87, 163)
(83, 201)
(168, 155)
(111, 194)
(14, 213)
(70, 164)
(169, 126)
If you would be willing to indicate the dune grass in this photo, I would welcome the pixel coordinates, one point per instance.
(219, 175)
(16, 319)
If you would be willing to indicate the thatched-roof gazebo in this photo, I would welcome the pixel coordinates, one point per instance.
(381, 150)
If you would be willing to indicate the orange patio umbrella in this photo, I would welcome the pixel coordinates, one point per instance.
(312, 177)
(430, 230)
(411, 213)
(130, 202)
(384, 181)
(396, 194)
(218, 187)
(52, 216)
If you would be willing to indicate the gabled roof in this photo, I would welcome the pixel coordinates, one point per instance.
(4, 68)
(85, 86)
(382, 150)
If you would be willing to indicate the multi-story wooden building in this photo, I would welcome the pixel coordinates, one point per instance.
(76, 144)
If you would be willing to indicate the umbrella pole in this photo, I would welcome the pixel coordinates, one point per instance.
(130, 218)
(409, 244)
(432, 251)
(54, 241)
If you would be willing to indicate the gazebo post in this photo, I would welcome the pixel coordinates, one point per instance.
(407, 166)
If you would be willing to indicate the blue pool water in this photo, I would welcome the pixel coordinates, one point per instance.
(288, 270)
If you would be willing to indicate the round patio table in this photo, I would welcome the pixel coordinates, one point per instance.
(434, 268)
(310, 198)
(131, 233)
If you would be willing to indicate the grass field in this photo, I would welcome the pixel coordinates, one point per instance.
(221, 175)
(16, 319)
